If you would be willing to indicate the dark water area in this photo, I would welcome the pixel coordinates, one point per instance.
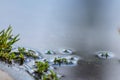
(92, 70)
(85, 26)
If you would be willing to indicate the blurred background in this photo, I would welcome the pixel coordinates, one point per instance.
(78, 24)
(85, 26)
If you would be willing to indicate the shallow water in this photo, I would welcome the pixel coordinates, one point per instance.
(85, 26)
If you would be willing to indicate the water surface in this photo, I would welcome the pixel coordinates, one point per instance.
(85, 26)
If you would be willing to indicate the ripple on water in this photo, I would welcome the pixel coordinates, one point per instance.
(105, 54)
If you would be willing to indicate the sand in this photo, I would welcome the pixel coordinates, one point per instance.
(5, 76)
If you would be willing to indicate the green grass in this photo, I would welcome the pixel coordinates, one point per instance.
(51, 76)
(7, 40)
(60, 61)
(7, 55)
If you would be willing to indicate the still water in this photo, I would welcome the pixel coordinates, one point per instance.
(85, 26)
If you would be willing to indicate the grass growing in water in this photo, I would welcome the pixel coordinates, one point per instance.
(42, 72)
(60, 61)
(51, 76)
(7, 55)
(42, 67)
(7, 40)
